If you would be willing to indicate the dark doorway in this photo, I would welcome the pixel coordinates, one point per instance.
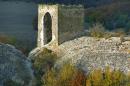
(47, 28)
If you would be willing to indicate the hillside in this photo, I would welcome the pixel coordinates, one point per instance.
(87, 3)
(113, 16)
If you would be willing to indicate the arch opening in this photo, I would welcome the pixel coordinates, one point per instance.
(47, 28)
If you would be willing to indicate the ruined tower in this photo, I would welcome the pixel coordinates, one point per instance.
(59, 23)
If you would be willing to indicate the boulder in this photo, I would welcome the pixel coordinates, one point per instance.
(15, 68)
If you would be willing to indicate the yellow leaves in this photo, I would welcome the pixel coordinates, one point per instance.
(107, 78)
(67, 70)
(50, 78)
(128, 51)
(88, 82)
(70, 76)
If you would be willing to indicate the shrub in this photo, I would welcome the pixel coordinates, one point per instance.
(98, 31)
(79, 79)
(49, 79)
(68, 75)
(61, 78)
(43, 63)
(45, 59)
(107, 78)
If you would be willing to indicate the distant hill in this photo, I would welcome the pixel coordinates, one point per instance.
(87, 3)
(113, 16)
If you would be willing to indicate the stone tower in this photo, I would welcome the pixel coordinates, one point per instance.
(59, 23)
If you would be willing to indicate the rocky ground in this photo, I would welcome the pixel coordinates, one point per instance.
(89, 53)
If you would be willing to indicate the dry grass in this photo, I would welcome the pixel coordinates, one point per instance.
(98, 31)
(107, 78)
(68, 75)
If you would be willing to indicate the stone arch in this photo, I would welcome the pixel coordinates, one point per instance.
(47, 31)
(47, 24)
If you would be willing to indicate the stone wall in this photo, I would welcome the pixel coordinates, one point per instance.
(67, 23)
(71, 22)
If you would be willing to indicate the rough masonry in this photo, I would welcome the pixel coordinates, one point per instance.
(59, 23)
